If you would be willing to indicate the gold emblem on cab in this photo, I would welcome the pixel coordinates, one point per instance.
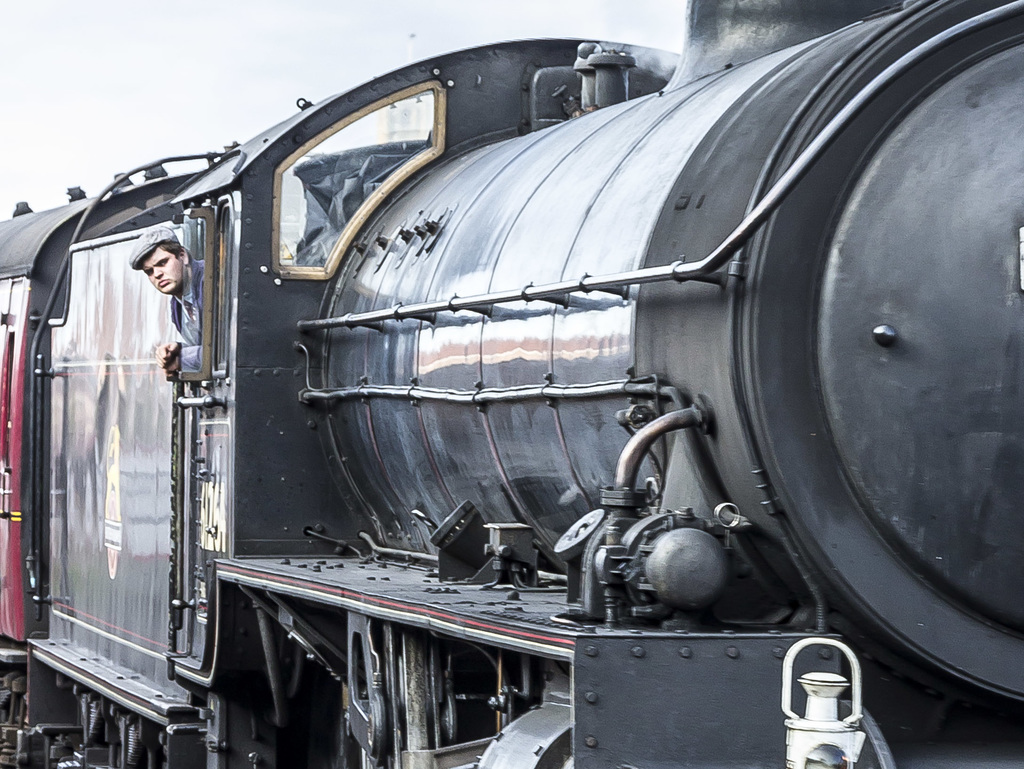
(112, 532)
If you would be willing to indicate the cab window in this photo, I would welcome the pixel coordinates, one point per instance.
(219, 271)
(196, 234)
(328, 188)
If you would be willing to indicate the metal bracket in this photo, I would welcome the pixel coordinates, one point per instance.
(367, 711)
(202, 402)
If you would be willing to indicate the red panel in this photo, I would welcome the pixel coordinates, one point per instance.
(14, 303)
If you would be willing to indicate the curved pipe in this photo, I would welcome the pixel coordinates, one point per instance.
(628, 466)
(824, 139)
(395, 552)
(789, 130)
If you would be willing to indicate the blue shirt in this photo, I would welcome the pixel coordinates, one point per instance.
(187, 317)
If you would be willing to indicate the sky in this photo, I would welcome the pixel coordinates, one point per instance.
(90, 89)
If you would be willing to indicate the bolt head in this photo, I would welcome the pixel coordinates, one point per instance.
(884, 335)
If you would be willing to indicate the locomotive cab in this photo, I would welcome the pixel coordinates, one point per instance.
(35, 257)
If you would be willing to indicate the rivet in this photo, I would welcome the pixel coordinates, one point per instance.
(264, 269)
(591, 697)
(778, 652)
(884, 335)
(825, 654)
(732, 652)
(590, 741)
(686, 652)
(638, 651)
(590, 651)
(277, 281)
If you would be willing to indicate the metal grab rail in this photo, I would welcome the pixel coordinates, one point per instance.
(616, 284)
(177, 553)
(487, 395)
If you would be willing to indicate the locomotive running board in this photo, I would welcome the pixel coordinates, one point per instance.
(396, 592)
(131, 694)
(10, 656)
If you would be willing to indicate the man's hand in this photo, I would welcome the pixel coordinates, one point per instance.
(169, 358)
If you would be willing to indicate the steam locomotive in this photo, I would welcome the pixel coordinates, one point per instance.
(562, 404)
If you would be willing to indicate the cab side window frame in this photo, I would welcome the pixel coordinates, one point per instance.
(281, 265)
(208, 232)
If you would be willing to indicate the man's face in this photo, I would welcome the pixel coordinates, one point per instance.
(166, 271)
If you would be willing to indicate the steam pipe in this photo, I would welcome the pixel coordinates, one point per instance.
(622, 500)
(628, 466)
